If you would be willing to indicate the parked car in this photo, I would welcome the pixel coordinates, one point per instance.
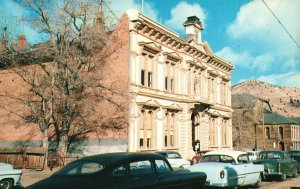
(294, 154)
(175, 159)
(229, 169)
(121, 171)
(197, 157)
(253, 155)
(9, 177)
(277, 163)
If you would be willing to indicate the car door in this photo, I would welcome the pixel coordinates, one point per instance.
(142, 173)
(121, 179)
(167, 178)
(251, 174)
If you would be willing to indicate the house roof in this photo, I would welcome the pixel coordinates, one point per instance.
(272, 118)
(296, 119)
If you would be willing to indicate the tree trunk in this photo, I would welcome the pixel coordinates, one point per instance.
(45, 145)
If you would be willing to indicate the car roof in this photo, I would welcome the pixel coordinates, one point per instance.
(231, 153)
(273, 151)
(112, 158)
(167, 152)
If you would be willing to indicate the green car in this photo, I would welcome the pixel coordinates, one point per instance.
(277, 163)
(295, 154)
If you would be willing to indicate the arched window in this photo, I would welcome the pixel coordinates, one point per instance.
(280, 132)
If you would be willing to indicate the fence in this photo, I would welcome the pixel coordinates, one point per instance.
(31, 158)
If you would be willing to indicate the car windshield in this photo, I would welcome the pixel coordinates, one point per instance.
(270, 155)
(80, 168)
(218, 158)
(174, 156)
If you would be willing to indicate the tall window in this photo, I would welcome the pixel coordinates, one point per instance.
(149, 79)
(268, 134)
(170, 130)
(281, 132)
(143, 77)
(147, 66)
(146, 129)
(169, 71)
(224, 132)
(212, 132)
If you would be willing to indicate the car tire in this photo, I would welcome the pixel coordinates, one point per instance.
(258, 182)
(6, 184)
(283, 177)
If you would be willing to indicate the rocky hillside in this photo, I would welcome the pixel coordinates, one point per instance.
(283, 100)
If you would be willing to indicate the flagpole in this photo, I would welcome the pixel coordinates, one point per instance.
(142, 6)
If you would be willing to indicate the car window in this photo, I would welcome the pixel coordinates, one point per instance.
(270, 155)
(120, 171)
(162, 166)
(218, 158)
(174, 156)
(140, 167)
(85, 168)
(243, 159)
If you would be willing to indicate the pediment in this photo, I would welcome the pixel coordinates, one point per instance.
(213, 72)
(174, 107)
(173, 56)
(150, 103)
(150, 46)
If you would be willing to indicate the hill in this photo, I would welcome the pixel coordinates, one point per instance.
(283, 100)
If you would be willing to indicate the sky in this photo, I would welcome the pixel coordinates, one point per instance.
(243, 32)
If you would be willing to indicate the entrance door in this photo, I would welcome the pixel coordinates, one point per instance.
(281, 146)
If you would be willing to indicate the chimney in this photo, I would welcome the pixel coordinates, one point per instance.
(193, 28)
(22, 43)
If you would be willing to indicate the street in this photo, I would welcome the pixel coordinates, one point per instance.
(31, 176)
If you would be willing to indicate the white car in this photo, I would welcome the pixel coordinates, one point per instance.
(175, 159)
(229, 169)
(9, 177)
(253, 155)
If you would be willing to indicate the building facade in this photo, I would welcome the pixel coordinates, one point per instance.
(255, 126)
(180, 91)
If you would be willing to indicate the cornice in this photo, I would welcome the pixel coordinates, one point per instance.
(165, 36)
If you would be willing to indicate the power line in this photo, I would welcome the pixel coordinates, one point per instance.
(282, 25)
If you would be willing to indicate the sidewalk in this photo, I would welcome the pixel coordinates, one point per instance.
(32, 176)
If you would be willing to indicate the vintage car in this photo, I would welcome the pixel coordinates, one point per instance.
(295, 154)
(9, 177)
(121, 171)
(277, 163)
(229, 169)
(175, 159)
(253, 155)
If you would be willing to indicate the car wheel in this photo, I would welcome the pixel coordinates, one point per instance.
(283, 177)
(258, 182)
(6, 184)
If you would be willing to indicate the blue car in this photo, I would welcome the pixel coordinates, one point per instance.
(229, 169)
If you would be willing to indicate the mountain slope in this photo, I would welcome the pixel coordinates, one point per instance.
(283, 100)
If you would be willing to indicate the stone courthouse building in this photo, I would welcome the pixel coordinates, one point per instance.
(180, 92)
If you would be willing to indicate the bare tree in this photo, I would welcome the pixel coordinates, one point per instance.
(68, 86)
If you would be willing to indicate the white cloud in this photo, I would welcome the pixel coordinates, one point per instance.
(181, 12)
(245, 59)
(290, 79)
(256, 25)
